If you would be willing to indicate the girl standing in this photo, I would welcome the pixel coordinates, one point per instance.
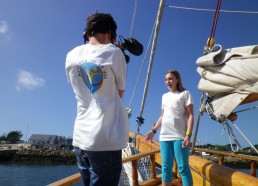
(176, 122)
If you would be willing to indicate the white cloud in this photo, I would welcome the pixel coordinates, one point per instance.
(28, 80)
(3, 27)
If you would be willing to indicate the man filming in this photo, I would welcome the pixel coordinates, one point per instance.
(97, 73)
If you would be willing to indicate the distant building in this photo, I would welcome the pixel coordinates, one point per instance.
(42, 139)
(49, 141)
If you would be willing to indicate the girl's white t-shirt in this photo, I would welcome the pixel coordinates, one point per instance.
(174, 120)
(96, 72)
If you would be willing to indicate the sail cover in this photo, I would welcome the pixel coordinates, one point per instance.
(228, 76)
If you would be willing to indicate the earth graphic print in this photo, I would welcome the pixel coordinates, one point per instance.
(92, 76)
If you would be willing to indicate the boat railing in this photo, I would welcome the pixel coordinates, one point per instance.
(153, 180)
(253, 160)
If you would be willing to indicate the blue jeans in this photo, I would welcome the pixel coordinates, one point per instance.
(169, 150)
(99, 168)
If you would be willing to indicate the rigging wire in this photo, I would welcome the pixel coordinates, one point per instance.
(133, 19)
(245, 137)
(131, 34)
(212, 10)
(251, 108)
(231, 135)
(140, 72)
(202, 175)
(200, 113)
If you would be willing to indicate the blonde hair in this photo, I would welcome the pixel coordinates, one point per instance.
(179, 86)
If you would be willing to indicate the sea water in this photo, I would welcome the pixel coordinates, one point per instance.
(41, 175)
(34, 175)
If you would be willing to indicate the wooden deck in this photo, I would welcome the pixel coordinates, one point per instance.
(176, 182)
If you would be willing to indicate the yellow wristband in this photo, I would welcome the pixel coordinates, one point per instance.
(188, 134)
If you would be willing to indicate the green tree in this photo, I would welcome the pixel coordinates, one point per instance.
(220, 148)
(14, 136)
(3, 137)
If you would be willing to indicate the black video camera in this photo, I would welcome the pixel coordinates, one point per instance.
(131, 45)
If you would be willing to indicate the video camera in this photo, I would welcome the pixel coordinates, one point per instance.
(131, 45)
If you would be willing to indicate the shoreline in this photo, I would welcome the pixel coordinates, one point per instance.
(68, 157)
(7, 154)
(44, 156)
(231, 162)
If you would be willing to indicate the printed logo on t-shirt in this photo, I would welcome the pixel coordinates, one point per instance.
(92, 76)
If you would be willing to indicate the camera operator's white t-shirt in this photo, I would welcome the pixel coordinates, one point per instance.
(174, 120)
(96, 72)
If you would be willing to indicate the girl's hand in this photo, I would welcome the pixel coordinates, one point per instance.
(186, 142)
(149, 136)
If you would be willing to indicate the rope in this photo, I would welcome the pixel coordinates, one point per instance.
(231, 134)
(212, 10)
(251, 108)
(133, 19)
(140, 72)
(200, 113)
(207, 106)
(210, 43)
(202, 175)
(131, 34)
(245, 138)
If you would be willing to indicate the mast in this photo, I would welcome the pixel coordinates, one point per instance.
(155, 39)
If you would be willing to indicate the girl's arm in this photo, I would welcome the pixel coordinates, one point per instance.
(152, 132)
(190, 121)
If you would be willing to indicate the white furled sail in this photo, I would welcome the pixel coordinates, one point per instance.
(228, 76)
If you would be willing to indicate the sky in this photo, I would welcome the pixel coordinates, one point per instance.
(35, 37)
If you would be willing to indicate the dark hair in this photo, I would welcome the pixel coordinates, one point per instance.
(179, 86)
(100, 23)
